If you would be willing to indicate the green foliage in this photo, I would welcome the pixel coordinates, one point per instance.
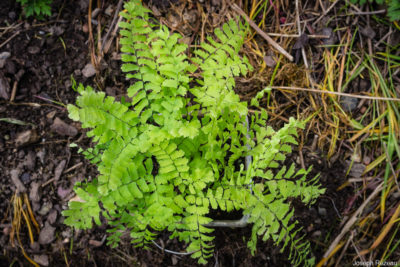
(393, 11)
(170, 153)
(36, 8)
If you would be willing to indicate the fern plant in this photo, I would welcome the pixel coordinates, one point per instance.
(170, 152)
(36, 8)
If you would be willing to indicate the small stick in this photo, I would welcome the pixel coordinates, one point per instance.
(9, 39)
(342, 65)
(48, 182)
(93, 57)
(113, 24)
(13, 26)
(302, 22)
(325, 12)
(73, 167)
(383, 38)
(99, 32)
(303, 52)
(173, 252)
(321, 5)
(113, 34)
(262, 33)
(367, 12)
(14, 91)
(311, 36)
(344, 249)
(336, 93)
(348, 225)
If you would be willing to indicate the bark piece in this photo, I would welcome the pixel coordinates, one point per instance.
(59, 169)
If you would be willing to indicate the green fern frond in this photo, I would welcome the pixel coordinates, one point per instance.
(174, 150)
(393, 11)
(81, 213)
(219, 62)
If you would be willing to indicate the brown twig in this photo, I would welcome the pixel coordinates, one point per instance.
(342, 65)
(99, 32)
(348, 225)
(113, 29)
(324, 13)
(9, 39)
(335, 93)
(91, 40)
(310, 36)
(261, 32)
(14, 91)
(73, 167)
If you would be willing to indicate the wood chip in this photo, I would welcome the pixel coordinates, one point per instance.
(26, 138)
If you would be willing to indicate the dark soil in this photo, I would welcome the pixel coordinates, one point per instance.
(44, 55)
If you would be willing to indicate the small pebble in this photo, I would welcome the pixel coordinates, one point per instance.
(33, 50)
(331, 40)
(9, 67)
(366, 160)
(6, 230)
(21, 154)
(85, 28)
(269, 61)
(46, 207)
(34, 246)
(348, 103)
(12, 15)
(357, 169)
(316, 234)
(52, 217)
(41, 259)
(88, 71)
(46, 235)
(322, 211)
(77, 72)
(41, 155)
(5, 55)
(63, 193)
(59, 169)
(25, 177)
(368, 32)
(34, 193)
(3, 58)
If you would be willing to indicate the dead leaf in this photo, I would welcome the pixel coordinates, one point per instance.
(63, 128)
